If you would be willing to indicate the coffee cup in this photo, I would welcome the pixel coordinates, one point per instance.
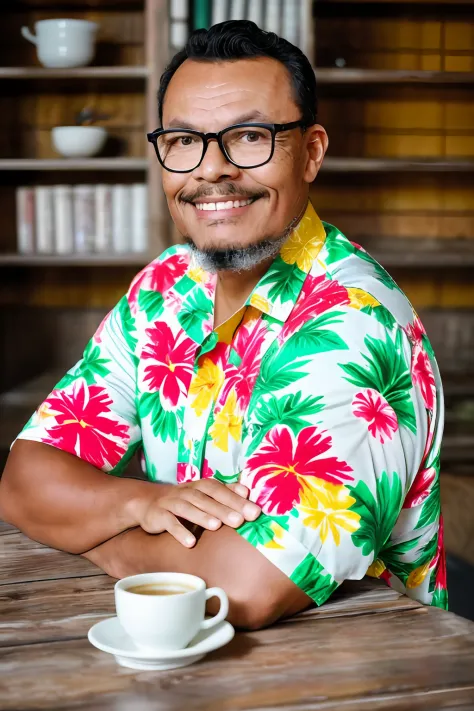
(63, 42)
(165, 611)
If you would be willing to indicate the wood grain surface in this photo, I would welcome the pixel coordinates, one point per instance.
(369, 646)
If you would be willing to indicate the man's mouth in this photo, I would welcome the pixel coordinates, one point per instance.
(222, 205)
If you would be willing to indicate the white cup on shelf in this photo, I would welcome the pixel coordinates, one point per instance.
(63, 43)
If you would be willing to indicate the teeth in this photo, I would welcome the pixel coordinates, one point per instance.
(222, 205)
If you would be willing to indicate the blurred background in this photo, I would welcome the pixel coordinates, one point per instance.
(82, 211)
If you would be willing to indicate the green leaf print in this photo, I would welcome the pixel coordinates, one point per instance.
(230, 479)
(260, 532)
(291, 410)
(164, 423)
(312, 337)
(379, 272)
(278, 370)
(382, 315)
(128, 323)
(440, 598)
(394, 556)
(285, 280)
(151, 302)
(377, 514)
(388, 373)
(311, 577)
(431, 507)
(195, 312)
(337, 246)
(129, 454)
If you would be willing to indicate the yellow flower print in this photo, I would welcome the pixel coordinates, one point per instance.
(417, 576)
(206, 385)
(326, 507)
(360, 298)
(305, 242)
(45, 411)
(376, 569)
(227, 422)
(259, 302)
(197, 274)
(276, 543)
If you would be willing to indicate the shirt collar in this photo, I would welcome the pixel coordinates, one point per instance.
(278, 290)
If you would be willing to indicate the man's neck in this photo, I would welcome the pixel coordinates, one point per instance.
(234, 288)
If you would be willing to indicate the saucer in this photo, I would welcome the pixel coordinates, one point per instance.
(109, 636)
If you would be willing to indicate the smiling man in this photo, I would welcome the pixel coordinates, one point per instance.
(281, 389)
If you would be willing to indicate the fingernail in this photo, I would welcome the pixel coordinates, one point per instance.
(251, 511)
(236, 518)
(190, 540)
(214, 522)
(241, 490)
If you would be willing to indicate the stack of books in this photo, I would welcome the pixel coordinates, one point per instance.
(82, 219)
(285, 17)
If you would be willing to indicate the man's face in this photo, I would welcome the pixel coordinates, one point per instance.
(209, 96)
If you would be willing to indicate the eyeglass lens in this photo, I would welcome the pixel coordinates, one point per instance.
(246, 145)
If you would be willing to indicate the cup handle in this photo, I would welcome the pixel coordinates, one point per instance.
(28, 35)
(224, 608)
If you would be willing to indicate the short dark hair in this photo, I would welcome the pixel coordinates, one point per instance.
(242, 39)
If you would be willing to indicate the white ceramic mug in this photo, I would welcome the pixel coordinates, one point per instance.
(168, 621)
(63, 43)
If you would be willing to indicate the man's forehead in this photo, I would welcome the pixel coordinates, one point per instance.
(220, 89)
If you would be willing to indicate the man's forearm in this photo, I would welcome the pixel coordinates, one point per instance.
(258, 592)
(64, 502)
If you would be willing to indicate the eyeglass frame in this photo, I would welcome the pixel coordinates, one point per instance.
(274, 128)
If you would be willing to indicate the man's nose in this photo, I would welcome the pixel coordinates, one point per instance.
(215, 166)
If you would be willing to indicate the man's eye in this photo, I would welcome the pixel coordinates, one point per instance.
(251, 136)
(186, 140)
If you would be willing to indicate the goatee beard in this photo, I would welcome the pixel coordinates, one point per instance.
(240, 259)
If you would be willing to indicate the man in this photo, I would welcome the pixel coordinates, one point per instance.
(283, 392)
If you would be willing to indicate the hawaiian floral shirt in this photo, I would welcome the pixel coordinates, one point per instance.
(322, 395)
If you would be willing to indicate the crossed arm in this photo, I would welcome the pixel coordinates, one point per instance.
(64, 502)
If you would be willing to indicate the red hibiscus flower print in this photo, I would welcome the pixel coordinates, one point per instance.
(190, 472)
(248, 344)
(172, 363)
(422, 375)
(85, 425)
(317, 296)
(282, 465)
(415, 331)
(441, 582)
(420, 488)
(373, 407)
(158, 276)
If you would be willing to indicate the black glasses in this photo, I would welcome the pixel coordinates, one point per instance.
(246, 145)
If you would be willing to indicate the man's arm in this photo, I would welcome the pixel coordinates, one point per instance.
(259, 593)
(65, 502)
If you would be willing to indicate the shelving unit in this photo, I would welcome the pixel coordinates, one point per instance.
(70, 164)
(74, 73)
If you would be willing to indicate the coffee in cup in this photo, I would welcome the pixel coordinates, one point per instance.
(165, 611)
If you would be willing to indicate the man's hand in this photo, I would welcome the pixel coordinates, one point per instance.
(208, 503)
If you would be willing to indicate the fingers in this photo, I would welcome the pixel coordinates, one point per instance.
(166, 521)
(185, 507)
(239, 489)
(223, 503)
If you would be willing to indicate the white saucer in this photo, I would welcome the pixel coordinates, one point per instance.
(109, 636)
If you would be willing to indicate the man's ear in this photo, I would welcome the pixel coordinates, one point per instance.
(316, 147)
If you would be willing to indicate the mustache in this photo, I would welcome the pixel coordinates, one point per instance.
(223, 189)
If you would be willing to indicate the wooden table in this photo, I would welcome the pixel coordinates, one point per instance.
(368, 648)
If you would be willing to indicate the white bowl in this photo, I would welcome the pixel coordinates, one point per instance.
(79, 141)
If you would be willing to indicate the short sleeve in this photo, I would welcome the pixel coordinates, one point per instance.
(92, 412)
(336, 434)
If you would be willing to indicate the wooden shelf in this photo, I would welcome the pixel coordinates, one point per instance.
(421, 252)
(32, 164)
(380, 76)
(395, 165)
(75, 260)
(74, 73)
